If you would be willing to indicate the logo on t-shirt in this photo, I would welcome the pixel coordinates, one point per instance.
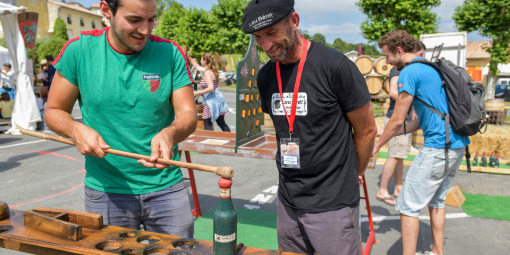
(278, 107)
(151, 81)
(400, 85)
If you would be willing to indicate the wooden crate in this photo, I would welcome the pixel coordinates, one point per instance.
(496, 116)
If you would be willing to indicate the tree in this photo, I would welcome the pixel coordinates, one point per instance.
(319, 38)
(492, 19)
(60, 30)
(414, 16)
(163, 5)
(340, 45)
(169, 19)
(227, 16)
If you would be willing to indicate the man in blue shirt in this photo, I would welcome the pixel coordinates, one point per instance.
(427, 180)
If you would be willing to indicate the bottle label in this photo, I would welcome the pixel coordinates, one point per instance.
(224, 193)
(224, 238)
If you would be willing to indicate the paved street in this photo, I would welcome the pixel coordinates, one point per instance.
(36, 172)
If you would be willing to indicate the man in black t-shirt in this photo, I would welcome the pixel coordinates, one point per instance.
(325, 132)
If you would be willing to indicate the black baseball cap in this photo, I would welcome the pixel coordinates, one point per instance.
(260, 14)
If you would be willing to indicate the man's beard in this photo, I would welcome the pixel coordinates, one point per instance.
(400, 65)
(288, 43)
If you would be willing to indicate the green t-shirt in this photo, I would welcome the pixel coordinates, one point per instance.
(126, 99)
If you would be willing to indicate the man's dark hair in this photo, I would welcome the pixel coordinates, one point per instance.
(8, 65)
(113, 4)
(398, 38)
(420, 46)
(49, 58)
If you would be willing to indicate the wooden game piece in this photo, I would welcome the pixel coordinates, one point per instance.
(454, 197)
(4, 210)
(86, 220)
(56, 226)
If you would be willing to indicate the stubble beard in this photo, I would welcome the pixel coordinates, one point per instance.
(287, 44)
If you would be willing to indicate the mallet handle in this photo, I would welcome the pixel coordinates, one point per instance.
(225, 172)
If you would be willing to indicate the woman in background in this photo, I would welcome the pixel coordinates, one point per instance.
(215, 106)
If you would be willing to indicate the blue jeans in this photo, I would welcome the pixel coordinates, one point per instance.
(166, 211)
(426, 182)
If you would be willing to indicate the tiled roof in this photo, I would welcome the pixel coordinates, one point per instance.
(75, 6)
(476, 51)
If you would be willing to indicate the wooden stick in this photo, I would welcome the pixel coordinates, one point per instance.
(225, 172)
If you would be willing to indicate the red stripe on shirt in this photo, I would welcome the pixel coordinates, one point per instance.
(159, 39)
(94, 32)
(64, 48)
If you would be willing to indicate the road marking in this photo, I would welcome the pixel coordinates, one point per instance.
(56, 195)
(20, 144)
(423, 217)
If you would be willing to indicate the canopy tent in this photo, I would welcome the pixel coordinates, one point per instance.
(26, 112)
(4, 56)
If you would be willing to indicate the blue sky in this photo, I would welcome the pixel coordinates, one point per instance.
(339, 18)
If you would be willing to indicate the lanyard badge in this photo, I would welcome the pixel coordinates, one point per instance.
(289, 147)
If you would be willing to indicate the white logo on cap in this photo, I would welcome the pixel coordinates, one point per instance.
(262, 21)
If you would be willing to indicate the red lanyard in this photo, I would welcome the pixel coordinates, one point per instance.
(296, 87)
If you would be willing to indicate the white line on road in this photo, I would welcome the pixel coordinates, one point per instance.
(19, 144)
(397, 217)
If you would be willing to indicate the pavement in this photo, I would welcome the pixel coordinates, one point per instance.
(40, 173)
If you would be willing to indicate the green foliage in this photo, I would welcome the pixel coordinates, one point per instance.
(169, 20)
(3, 43)
(414, 16)
(165, 5)
(60, 30)
(319, 38)
(345, 47)
(227, 16)
(492, 19)
(51, 47)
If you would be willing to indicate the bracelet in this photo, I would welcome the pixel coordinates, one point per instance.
(405, 131)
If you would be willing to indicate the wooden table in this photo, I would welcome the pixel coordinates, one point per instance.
(15, 235)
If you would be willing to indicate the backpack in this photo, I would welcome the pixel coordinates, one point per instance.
(465, 101)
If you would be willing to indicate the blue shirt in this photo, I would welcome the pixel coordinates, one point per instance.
(424, 82)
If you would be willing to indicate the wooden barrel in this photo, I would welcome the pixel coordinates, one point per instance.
(200, 111)
(374, 83)
(381, 67)
(418, 140)
(365, 64)
(386, 85)
(268, 124)
(495, 104)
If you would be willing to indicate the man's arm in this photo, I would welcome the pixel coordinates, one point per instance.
(58, 117)
(363, 124)
(185, 123)
(394, 87)
(395, 125)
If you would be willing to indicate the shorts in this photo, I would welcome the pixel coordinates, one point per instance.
(426, 182)
(398, 146)
(327, 233)
(166, 211)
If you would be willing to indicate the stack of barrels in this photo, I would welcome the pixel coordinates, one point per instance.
(376, 74)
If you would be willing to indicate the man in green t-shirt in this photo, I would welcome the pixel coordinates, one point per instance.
(134, 93)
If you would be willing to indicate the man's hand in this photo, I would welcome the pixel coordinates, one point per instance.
(89, 142)
(162, 146)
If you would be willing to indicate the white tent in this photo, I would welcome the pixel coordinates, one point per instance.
(26, 112)
(4, 56)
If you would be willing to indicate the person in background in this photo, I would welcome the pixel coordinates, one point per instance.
(6, 105)
(43, 76)
(398, 146)
(135, 95)
(51, 70)
(215, 105)
(427, 179)
(8, 81)
(325, 128)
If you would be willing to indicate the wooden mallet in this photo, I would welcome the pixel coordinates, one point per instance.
(225, 172)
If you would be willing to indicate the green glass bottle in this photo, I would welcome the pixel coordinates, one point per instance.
(225, 222)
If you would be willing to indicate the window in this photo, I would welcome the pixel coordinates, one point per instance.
(93, 25)
(82, 24)
(69, 19)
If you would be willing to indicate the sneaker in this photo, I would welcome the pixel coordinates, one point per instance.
(430, 253)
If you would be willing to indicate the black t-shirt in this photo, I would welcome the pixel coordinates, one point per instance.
(393, 72)
(331, 86)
